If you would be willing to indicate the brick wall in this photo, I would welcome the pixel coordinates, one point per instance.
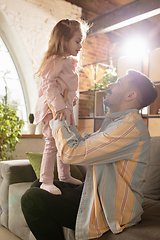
(95, 49)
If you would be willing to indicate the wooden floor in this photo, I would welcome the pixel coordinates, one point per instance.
(5, 234)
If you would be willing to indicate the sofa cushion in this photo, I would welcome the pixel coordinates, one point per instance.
(152, 185)
(12, 171)
(16, 221)
(36, 159)
(147, 229)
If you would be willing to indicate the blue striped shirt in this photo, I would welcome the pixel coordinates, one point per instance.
(117, 157)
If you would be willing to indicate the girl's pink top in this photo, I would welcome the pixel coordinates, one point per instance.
(58, 75)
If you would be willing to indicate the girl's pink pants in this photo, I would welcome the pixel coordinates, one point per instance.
(49, 154)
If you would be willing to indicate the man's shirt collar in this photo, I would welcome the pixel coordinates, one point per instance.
(121, 114)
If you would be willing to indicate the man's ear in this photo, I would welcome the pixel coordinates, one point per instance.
(131, 96)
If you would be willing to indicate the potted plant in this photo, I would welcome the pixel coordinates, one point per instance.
(105, 77)
(10, 130)
(31, 125)
(110, 76)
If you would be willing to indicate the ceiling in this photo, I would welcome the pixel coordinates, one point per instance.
(122, 18)
(93, 8)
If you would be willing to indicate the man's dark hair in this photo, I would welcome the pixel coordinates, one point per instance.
(145, 87)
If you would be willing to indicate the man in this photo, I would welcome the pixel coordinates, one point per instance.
(116, 157)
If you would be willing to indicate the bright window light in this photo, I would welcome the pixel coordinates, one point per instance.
(11, 91)
(135, 48)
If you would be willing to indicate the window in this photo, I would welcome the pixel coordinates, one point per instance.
(11, 91)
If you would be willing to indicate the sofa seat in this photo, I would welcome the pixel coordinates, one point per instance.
(147, 229)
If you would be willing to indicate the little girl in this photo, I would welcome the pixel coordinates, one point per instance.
(58, 73)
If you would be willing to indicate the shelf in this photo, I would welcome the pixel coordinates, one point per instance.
(99, 117)
(99, 105)
(85, 125)
(91, 104)
(32, 136)
(153, 109)
(86, 117)
(154, 126)
(154, 115)
(91, 110)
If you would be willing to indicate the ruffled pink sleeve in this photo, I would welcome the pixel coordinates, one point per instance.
(49, 85)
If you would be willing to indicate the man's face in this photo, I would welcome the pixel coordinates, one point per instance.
(117, 93)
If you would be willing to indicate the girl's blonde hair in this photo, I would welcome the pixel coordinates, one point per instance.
(60, 35)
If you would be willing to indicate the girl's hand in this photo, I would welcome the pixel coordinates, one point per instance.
(50, 106)
(61, 113)
(65, 95)
(75, 101)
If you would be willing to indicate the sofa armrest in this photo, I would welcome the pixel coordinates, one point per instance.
(12, 171)
(15, 171)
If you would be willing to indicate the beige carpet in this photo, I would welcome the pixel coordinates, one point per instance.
(5, 234)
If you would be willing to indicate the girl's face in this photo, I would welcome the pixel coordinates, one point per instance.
(74, 45)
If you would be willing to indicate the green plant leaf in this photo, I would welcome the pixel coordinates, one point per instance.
(10, 130)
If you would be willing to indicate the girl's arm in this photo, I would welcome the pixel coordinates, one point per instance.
(49, 85)
(62, 113)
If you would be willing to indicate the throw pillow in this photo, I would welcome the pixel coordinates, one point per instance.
(36, 159)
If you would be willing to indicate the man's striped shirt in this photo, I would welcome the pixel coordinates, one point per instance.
(117, 157)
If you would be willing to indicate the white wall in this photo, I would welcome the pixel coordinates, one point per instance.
(28, 145)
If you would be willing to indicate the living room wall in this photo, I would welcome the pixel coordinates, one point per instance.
(30, 22)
